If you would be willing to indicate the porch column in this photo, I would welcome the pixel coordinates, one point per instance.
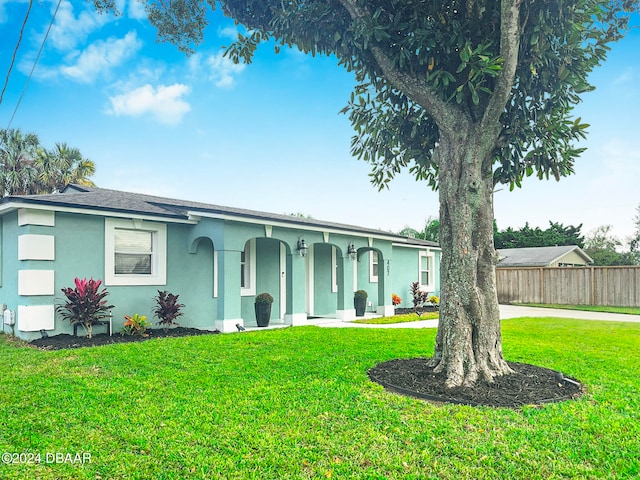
(346, 310)
(229, 299)
(385, 307)
(296, 290)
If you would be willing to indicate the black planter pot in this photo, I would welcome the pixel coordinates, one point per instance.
(360, 304)
(263, 314)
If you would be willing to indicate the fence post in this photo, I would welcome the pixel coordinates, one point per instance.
(541, 274)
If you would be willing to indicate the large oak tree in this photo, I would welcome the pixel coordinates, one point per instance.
(465, 94)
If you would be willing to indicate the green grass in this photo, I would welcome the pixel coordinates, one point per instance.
(296, 403)
(587, 308)
(408, 317)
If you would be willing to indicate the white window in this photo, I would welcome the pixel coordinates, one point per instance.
(334, 269)
(248, 269)
(373, 266)
(135, 252)
(425, 270)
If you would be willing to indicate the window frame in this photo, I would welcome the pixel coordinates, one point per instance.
(334, 269)
(430, 270)
(249, 267)
(158, 275)
(373, 277)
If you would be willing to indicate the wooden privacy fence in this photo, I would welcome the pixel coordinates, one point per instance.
(613, 286)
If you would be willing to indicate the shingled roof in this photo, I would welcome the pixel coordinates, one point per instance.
(105, 200)
(537, 256)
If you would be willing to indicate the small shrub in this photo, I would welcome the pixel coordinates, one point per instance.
(264, 298)
(361, 294)
(135, 325)
(395, 299)
(419, 297)
(85, 304)
(434, 299)
(167, 309)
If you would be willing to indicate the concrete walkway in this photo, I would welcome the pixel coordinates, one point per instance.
(506, 311)
(516, 311)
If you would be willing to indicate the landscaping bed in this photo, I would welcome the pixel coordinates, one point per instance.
(420, 311)
(528, 385)
(59, 342)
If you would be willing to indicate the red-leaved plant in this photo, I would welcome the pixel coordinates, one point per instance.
(85, 303)
(419, 297)
(167, 309)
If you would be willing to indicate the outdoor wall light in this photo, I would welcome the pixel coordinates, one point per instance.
(302, 248)
(351, 250)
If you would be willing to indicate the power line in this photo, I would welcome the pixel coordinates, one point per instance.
(34, 63)
(15, 51)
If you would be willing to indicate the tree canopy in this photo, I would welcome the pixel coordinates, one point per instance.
(431, 231)
(605, 248)
(556, 235)
(28, 168)
(524, 63)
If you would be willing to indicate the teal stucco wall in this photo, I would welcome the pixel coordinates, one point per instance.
(406, 269)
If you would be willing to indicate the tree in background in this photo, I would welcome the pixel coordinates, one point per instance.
(557, 234)
(430, 232)
(27, 168)
(604, 248)
(634, 241)
(465, 94)
(61, 166)
(17, 170)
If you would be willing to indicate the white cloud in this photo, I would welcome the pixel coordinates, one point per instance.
(136, 10)
(68, 31)
(101, 57)
(229, 32)
(215, 68)
(164, 103)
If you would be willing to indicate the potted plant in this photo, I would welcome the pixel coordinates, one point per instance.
(263, 309)
(360, 302)
(85, 304)
(167, 309)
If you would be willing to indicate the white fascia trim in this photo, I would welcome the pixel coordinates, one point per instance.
(291, 226)
(418, 247)
(98, 213)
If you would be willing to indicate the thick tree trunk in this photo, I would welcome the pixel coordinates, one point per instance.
(469, 342)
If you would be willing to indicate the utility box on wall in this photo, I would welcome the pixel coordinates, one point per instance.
(33, 318)
(9, 317)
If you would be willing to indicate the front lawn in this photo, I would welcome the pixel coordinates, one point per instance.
(296, 403)
(408, 317)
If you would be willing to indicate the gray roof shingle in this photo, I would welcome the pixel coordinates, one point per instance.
(105, 200)
(537, 256)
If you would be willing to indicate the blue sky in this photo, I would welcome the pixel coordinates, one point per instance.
(268, 136)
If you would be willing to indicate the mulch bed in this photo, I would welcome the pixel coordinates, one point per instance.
(529, 385)
(58, 342)
(421, 310)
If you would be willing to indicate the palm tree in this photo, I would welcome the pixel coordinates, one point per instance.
(17, 167)
(26, 168)
(61, 166)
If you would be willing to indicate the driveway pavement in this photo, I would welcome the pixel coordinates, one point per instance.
(506, 311)
(515, 311)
